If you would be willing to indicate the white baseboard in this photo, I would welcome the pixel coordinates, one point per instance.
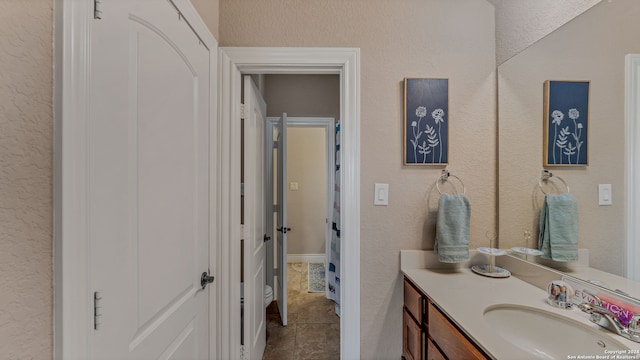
(309, 258)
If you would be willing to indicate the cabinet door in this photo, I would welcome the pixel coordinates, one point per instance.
(412, 338)
(414, 301)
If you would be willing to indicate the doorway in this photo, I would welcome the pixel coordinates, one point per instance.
(311, 102)
(309, 189)
(344, 62)
(310, 193)
(312, 323)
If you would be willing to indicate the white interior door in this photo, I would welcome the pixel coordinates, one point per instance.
(148, 177)
(281, 245)
(255, 335)
(269, 201)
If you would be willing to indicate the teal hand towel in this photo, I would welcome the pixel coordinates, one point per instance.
(452, 228)
(559, 227)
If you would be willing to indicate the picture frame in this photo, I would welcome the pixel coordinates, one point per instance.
(426, 122)
(566, 123)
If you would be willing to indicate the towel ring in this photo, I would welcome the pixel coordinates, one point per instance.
(546, 175)
(444, 177)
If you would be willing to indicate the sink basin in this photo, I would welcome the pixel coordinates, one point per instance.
(546, 335)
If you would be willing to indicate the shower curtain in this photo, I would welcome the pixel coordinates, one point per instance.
(333, 276)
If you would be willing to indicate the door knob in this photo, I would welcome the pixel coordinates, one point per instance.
(283, 230)
(205, 279)
(266, 238)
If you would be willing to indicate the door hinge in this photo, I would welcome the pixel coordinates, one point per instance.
(276, 208)
(97, 310)
(97, 9)
(241, 111)
(275, 144)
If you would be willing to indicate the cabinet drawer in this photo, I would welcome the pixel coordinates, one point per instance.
(414, 302)
(432, 352)
(413, 337)
(453, 344)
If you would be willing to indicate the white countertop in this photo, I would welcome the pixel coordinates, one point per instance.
(463, 296)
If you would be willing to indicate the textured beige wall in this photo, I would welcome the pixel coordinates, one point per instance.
(591, 47)
(208, 10)
(26, 148)
(520, 23)
(302, 95)
(306, 165)
(416, 38)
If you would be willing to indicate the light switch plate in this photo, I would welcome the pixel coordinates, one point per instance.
(381, 194)
(293, 186)
(604, 194)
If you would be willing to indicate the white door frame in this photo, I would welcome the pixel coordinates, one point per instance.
(329, 124)
(72, 300)
(632, 153)
(233, 62)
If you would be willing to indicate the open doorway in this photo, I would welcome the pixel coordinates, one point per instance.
(310, 193)
(312, 105)
(298, 259)
(345, 63)
(300, 278)
(308, 324)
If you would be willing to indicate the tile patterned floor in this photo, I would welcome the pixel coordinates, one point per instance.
(313, 329)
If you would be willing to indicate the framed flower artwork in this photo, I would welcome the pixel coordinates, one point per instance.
(426, 121)
(566, 123)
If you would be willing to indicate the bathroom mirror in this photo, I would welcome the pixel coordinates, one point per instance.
(592, 47)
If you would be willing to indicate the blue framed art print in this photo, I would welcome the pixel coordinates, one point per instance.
(566, 123)
(426, 121)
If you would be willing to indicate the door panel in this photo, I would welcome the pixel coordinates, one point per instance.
(281, 246)
(149, 181)
(183, 346)
(254, 221)
(167, 181)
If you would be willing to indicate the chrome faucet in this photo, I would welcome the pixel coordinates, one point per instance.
(606, 319)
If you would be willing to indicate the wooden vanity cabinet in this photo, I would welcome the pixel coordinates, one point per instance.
(413, 335)
(414, 322)
(428, 334)
(449, 339)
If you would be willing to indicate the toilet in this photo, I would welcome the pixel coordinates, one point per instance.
(268, 295)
